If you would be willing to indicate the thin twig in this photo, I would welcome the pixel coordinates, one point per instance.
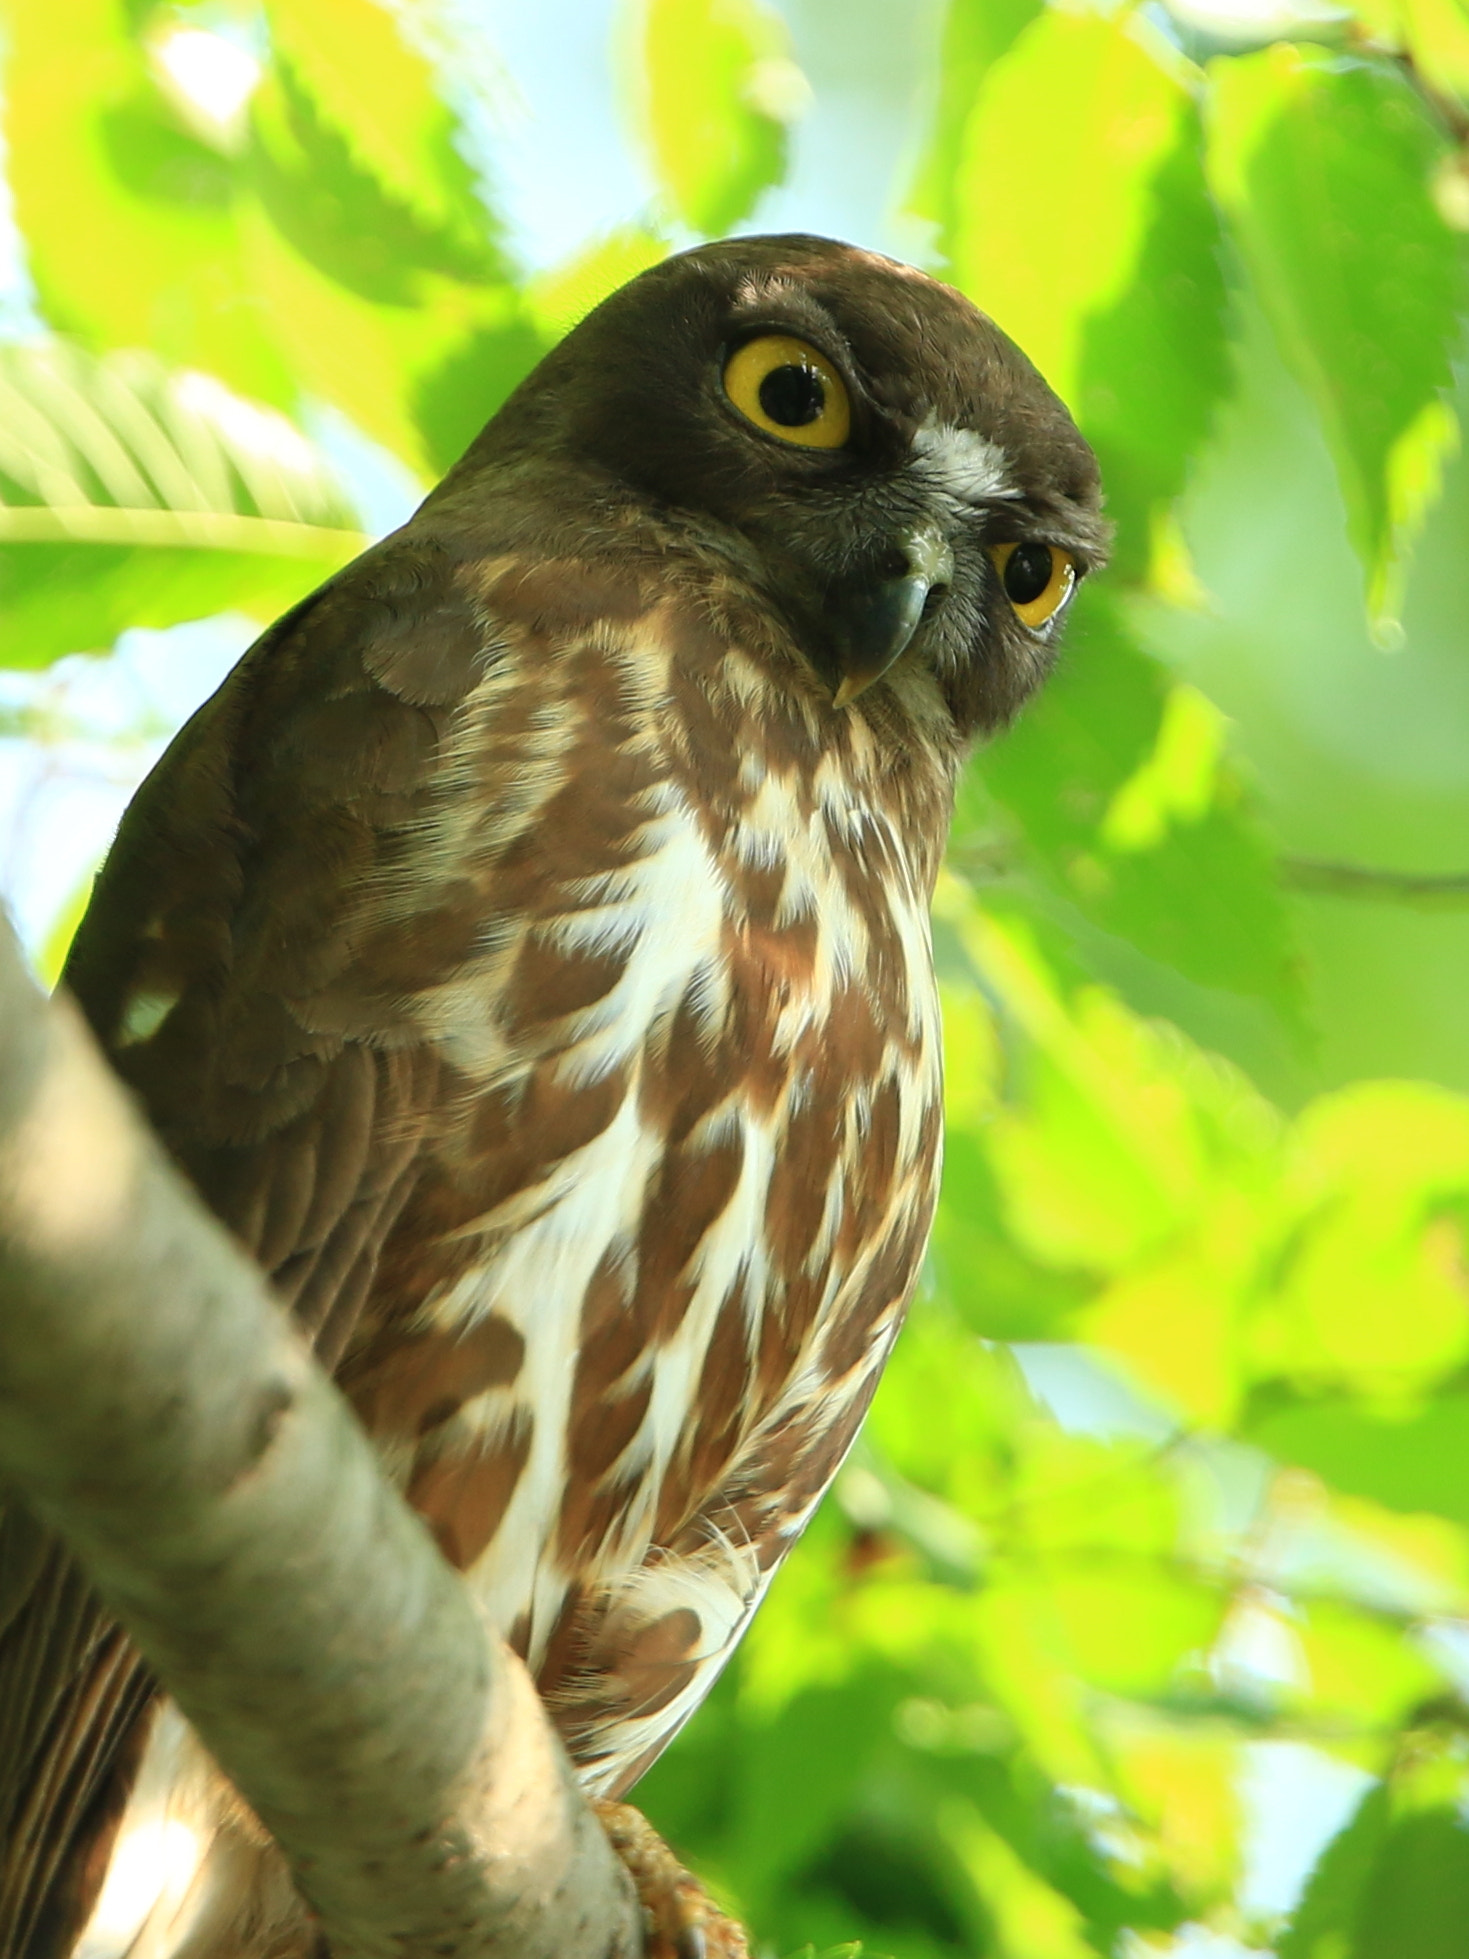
(991, 861)
(1430, 890)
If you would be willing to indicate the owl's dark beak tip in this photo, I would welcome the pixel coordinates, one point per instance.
(873, 621)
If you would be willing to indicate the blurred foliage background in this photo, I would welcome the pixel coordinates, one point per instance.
(1139, 1622)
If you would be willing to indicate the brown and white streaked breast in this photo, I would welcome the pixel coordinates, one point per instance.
(692, 1181)
(624, 1331)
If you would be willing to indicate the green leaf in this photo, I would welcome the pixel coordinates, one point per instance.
(1370, 1289)
(1129, 805)
(1395, 1883)
(1153, 366)
(453, 392)
(378, 258)
(1434, 32)
(1029, 1916)
(1417, 1462)
(1122, 309)
(976, 34)
(132, 495)
(720, 88)
(1055, 208)
(978, 1265)
(1361, 1674)
(563, 296)
(1328, 1911)
(129, 219)
(1417, 1899)
(1130, 1624)
(1324, 166)
(355, 158)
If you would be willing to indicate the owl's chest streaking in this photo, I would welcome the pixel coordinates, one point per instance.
(624, 1330)
(650, 948)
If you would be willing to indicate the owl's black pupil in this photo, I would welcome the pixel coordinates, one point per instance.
(1027, 572)
(792, 396)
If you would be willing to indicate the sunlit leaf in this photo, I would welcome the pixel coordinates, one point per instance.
(1361, 1670)
(366, 109)
(1435, 32)
(420, 379)
(155, 263)
(953, 1413)
(370, 243)
(1153, 364)
(977, 1262)
(1116, 1142)
(1130, 804)
(1064, 146)
(353, 154)
(1395, 1883)
(132, 495)
(976, 33)
(1324, 166)
(1129, 1627)
(558, 299)
(1176, 1321)
(1182, 1781)
(1029, 1916)
(720, 90)
(1373, 1288)
(1410, 1461)
(1028, 1671)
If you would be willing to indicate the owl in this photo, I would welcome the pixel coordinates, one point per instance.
(526, 955)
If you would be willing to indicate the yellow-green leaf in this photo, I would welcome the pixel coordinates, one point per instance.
(1325, 168)
(720, 90)
(1066, 138)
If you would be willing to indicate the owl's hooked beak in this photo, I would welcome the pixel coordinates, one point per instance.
(876, 620)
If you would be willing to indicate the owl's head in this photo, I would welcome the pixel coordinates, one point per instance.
(887, 466)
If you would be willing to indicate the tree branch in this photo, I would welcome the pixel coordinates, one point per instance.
(158, 1409)
(988, 860)
(1427, 889)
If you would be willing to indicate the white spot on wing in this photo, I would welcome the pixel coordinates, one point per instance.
(144, 1015)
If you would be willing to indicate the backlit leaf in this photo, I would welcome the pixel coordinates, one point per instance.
(1410, 1461)
(1130, 805)
(720, 89)
(1063, 149)
(156, 262)
(1372, 1289)
(368, 109)
(130, 495)
(1324, 166)
(354, 154)
(976, 34)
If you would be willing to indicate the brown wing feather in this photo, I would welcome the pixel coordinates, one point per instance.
(214, 963)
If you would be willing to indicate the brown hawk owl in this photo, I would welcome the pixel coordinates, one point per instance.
(525, 952)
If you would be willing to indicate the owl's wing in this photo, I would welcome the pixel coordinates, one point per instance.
(222, 963)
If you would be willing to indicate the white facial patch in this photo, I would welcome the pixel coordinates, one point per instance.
(962, 463)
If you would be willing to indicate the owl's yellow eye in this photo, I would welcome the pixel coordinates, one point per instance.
(1038, 579)
(785, 387)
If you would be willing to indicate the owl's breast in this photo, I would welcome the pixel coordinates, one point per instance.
(624, 1329)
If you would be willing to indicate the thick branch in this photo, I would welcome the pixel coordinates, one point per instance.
(157, 1408)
